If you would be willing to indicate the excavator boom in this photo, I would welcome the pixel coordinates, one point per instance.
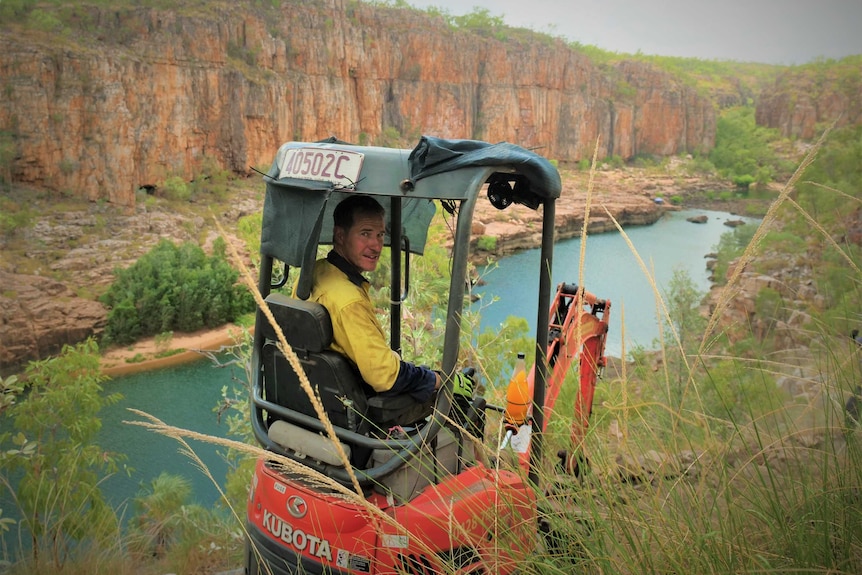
(577, 333)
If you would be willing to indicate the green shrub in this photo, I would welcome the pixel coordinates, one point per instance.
(742, 149)
(14, 217)
(776, 239)
(212, 180)
(699, 165)
(44, 21)
(838, 165)
(186, 536)
(481, 21)
(487, 243)
(645, 161)
(52, 463)
(730, 246)
(175, 188)
(15, 10)
(615, 162)
(124, 323)
(173, 288)
(170, 352)
(769, 305)
(743, 181)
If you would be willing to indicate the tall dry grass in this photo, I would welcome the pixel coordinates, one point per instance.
(773, 484)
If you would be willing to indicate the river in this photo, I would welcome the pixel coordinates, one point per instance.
(611, 272)
(186, 396)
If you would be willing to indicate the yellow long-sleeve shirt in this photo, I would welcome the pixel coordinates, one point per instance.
(357, 332)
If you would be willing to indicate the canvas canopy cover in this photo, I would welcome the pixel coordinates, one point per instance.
(297, 215)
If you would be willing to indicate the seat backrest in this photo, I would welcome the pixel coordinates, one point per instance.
(305, 324)
(308, 330)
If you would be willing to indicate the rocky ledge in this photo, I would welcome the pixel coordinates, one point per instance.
(627, 197)
(38, 316)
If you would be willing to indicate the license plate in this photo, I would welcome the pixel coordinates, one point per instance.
(337, 166)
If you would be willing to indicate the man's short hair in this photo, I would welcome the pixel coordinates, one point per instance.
(353, 206)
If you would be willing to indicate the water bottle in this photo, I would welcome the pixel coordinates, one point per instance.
(518, 395)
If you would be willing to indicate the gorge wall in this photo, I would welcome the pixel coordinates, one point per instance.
(136, 95)
(804, 101)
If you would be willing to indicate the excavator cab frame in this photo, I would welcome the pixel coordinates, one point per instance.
(356, 484)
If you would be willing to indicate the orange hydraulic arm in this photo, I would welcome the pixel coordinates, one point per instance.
(577, 330)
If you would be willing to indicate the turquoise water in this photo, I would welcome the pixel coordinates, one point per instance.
(185, 396)
(612, 272)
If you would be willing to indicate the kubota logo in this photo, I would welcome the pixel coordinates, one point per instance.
(298, 539)
(297, 506)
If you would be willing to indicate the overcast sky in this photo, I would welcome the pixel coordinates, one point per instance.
(766, 31)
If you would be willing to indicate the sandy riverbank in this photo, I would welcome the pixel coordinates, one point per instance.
(146, 354)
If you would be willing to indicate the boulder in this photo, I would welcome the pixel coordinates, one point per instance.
(38, 316)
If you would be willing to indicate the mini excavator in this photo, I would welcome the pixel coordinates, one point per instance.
(351, 483)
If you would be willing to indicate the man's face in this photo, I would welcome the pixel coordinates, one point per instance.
(362, 243)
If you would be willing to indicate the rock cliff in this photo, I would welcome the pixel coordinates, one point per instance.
(133, 95)
(806, 100)
(40, 316)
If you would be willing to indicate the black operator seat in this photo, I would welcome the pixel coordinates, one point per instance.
(349, 402)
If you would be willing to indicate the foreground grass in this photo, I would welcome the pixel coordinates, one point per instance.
(777, 493)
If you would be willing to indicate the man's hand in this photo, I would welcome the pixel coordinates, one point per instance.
(463, 383)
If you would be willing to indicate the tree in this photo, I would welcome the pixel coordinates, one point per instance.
(838, 165)
(57, 477)
(742, 150)
(683, 303)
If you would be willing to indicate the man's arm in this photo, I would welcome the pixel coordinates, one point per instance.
(418, 381)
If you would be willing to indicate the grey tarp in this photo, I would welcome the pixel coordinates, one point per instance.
(297, 214)
(296, 220)
(292, 215)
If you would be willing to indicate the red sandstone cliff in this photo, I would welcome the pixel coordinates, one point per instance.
(136, 95)
(805, 100)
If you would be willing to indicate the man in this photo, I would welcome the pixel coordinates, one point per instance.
(338, 285)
